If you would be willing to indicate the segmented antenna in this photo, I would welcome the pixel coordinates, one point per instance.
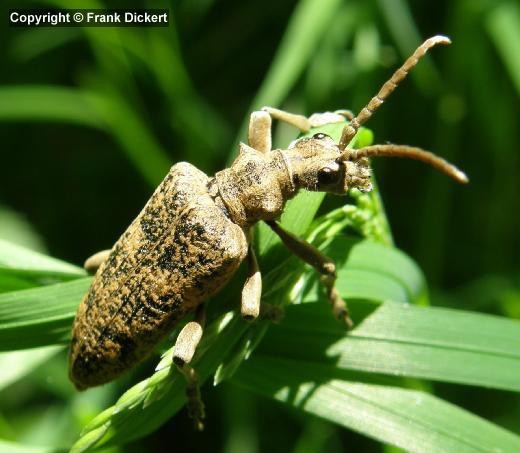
(389, 86)
(410, 152)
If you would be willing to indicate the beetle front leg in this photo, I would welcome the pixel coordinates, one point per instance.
(260, 123)
(322, 263)
(303, 123)
(299, 121)
(183, 351)
(259, 133)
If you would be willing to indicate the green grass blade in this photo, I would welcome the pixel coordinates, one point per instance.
(16, 257)
(402, 340)
(67, 105)
(39, 316)
(48, 103)
(407, 37)
(308, 24)
(503, 25)
(408, 419)
(38, 41)
(131, 132)
(16, 229)
(16, 364)
(12, 447)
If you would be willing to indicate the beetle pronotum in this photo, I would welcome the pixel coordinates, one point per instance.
(194, 232)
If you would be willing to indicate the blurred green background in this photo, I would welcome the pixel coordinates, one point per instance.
(91, 119)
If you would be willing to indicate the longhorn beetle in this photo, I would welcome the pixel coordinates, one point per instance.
(195, 230)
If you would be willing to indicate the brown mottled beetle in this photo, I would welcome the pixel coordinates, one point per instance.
(194, 232)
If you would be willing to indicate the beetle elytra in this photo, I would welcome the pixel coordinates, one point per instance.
(195, 230)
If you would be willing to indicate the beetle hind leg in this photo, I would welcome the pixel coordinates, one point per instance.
(93, 262)
(183, 352)
(252, 291)
(322, 263)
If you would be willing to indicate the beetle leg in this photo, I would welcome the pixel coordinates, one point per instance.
(252, 291)
(183, 351)
(189, 338)
(260, 122)
(322, 263)
(348, 114)
(93, 262)
(259, 136)
(259, 133)
(315, 120)
(299, 121)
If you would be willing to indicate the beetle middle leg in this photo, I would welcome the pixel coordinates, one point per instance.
(322, 263)
(183, 351)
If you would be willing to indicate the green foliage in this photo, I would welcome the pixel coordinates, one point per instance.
(143, 92)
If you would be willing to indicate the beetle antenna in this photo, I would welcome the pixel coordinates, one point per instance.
(350, 130)
(410, 152)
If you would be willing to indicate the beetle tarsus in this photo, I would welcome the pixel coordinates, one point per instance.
(271, 312)
(195, 405)
(339, 306)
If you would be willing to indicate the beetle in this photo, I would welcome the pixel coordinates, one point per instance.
(195, 231)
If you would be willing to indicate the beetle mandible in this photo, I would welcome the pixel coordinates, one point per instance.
(195, 230)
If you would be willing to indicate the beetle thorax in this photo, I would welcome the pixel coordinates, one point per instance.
(256, 186)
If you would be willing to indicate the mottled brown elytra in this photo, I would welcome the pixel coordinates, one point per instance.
(195, 230)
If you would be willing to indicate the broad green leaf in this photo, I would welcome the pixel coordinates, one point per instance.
(409, 419)
(403, 340)
(39, 316)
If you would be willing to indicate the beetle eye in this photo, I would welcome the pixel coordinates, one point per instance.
(327, 175)
(320, 136)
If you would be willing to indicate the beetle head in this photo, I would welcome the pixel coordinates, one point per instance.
(317, 164)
